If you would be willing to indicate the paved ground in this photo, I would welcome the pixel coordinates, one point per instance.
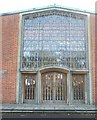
(47, 107)
(49, 111)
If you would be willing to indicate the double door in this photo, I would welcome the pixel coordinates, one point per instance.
(54, 87)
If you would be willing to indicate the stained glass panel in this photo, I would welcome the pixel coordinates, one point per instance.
(54, 38)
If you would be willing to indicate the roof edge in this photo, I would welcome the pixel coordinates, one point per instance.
(45, 7)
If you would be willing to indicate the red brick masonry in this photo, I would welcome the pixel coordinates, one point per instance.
(10, 30)
(93, 38)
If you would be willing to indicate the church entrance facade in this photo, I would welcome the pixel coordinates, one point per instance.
(53, 87)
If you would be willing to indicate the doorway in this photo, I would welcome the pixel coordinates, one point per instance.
(29, 81)
(54, 87)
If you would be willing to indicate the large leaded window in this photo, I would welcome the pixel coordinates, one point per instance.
(54, 38)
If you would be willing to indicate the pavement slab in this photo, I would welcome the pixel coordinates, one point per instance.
(44, 107)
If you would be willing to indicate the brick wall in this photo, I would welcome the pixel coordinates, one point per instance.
(10, 30)
(0, 57)
(94, 57)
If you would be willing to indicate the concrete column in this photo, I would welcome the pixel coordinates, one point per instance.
(90, 60)
(37, 87)
(88, 78)
(87, 89)
(69, 88)
(20, 89)
(39, 90)
(17, 86)
(18, 79)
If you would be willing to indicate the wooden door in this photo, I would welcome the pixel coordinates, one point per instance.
(54, 87)
(29, 87)
(78, 85)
